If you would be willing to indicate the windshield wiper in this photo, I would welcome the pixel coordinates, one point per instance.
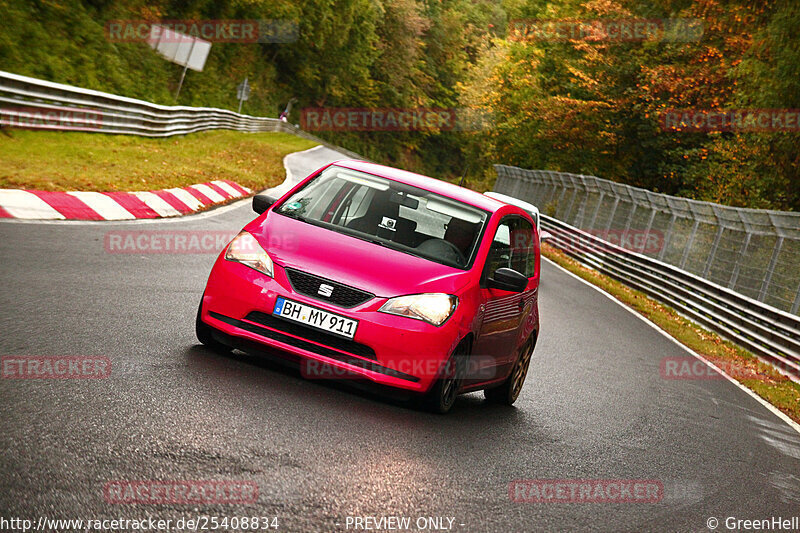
(380, 243)
(292, 214)
(408, 250)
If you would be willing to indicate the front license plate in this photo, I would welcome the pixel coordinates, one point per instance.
(316, 318)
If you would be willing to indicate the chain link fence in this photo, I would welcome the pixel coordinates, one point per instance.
(754, 252)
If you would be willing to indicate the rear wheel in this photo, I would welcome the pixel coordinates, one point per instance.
(508, 392)
(205, 336)
(443, 394)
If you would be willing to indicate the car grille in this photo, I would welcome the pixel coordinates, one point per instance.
(300, 343)
(341, 295)
(299, 330)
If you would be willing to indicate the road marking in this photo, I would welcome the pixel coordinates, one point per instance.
(227, 188)
(243, 191)
(777, 412)
(213, 195)
(187, 198)
(103, 205)
(157, 204)
(26, 205)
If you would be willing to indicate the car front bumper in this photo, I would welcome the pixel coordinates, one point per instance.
(387, 349)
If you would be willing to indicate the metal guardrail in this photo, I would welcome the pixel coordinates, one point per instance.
(755, 252)
(32, 103)
(38, 104)
(768, 332)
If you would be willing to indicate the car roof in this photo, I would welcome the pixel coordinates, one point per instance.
(425, 182)
(522, 204)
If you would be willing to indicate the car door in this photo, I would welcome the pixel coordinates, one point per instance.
(503, 311)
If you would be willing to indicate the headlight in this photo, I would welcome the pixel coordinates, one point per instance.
(244, 249)
(432, 308)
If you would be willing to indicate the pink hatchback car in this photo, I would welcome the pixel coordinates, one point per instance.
(369, 271)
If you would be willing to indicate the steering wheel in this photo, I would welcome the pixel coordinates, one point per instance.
(434, 247)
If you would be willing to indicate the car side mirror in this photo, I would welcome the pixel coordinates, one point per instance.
(508, 280)
(262, 202)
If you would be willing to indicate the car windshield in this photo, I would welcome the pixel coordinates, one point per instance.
(390, 214)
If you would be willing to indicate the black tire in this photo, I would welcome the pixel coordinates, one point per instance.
(508, 392)
(205, 336)
(442, 396)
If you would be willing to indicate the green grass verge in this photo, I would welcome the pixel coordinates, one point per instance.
(61, 161)
(737, 362)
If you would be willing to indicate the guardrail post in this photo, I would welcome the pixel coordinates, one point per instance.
(517, 185)
(613, 212)
(739, 259)
(634, 205)
(571, 203)
(748, 228)
(596, 210)
(770, 269)
(667, 236)
(552, 186)
(796, 304)
(533, 191)
(713, 251)
(579, 215)
(689, 243)
(653, 212)
(563, 193)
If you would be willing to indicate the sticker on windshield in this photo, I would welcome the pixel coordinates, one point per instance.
(388, 223)
(294, 206)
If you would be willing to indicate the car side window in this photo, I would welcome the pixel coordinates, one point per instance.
(523, 257)
(512, 247)
(500, 250)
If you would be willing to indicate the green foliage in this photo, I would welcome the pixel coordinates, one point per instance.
(594, 107)
(581, 106)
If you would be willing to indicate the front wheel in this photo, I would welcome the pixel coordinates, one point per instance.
(443, 394)
(508, 392)
(204, 335)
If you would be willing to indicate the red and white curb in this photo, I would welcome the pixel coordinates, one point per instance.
(48, 205)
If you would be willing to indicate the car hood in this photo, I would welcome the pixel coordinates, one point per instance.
(345, 259)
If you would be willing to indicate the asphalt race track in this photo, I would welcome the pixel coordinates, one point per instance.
(595, 406)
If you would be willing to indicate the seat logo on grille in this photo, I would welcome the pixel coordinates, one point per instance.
(325, 290)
